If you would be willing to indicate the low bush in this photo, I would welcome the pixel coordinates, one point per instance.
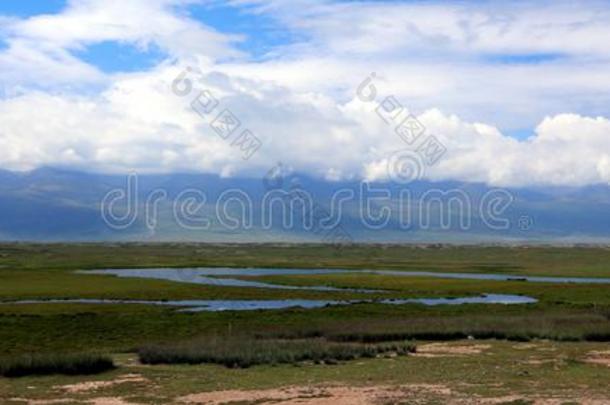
(44, 364)
(521, 328)
(246, 352)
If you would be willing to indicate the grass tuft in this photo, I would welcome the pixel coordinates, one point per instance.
(519, 328)
(45, 364)
(244, 353)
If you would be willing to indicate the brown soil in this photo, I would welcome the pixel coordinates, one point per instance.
(601, 357)
(334, 395)
(95, 385)
(450, 349)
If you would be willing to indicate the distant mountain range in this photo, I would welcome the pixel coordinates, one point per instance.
(60, 205)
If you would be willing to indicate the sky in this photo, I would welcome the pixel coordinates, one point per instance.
(517, 93)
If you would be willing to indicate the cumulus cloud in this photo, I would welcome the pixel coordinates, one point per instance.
(41, 49)
(139, 124)
(461, 27)
(135, 21)
(301, 102)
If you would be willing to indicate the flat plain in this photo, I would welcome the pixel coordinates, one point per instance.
(553, 351)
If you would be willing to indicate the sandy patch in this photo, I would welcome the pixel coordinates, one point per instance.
(539, 362)
(59, 401)
(599, 357)
(581, 400)
(87, 386)
(526, 346)
(43, 401)
(448, 349)
(337, 395)
(414, 394)
(109, 401)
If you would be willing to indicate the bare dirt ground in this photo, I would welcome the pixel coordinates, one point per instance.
(332, 395)
(599, 357)
(450, 349)
(414, 394)
(95, 385)
(505, 373)
(377, 395)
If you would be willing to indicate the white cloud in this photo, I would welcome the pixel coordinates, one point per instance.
(118, 131)
(41, 49)
(140, 22)
(450, 54)
(28, 63)
(461, 27)
(301, 102)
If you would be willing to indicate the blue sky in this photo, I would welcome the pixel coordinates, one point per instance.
(114, 57)
(260, 35)
(519, 93)
(28, 8)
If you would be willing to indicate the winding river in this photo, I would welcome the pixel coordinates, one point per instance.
(225, 277)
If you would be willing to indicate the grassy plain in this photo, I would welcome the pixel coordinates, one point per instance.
(498, 372)
(575, 318)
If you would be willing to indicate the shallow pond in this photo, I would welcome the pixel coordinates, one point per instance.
(249, 305)
(222, 276)
(496, 277)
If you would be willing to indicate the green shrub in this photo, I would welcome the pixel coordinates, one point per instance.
(520, 328)
(246, 352)
(44, 364)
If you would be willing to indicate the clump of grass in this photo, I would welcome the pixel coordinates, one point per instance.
(45, 364)
(247, 352)
(522, 328)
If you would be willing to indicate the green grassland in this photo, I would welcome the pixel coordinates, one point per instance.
(575, 318)
(549, 261)
(48, 271)
(518, 372)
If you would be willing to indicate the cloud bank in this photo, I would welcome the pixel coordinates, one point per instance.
(473, 74)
